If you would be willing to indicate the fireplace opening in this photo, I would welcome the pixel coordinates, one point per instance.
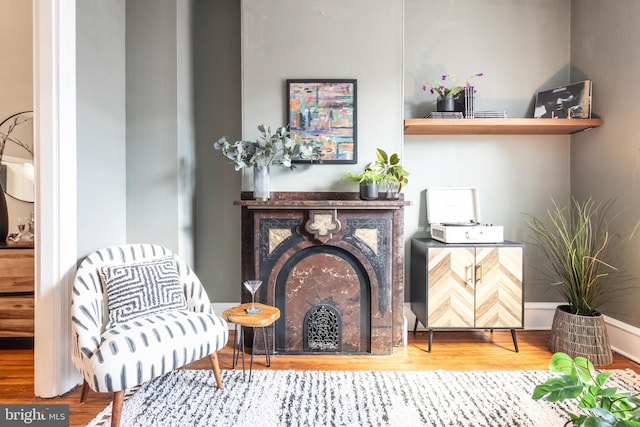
(324, 296)
(322, 330)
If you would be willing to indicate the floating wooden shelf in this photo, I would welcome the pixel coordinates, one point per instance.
(498, 126)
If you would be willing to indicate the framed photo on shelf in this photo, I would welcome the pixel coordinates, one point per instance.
(571, 101)
(323, 113)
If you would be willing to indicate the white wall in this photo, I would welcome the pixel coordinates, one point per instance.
(521, 47)
(605, 162)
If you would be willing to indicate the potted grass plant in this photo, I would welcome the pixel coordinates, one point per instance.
(584, 264)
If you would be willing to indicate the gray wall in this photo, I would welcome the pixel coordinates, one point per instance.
(217, 111)
(101, 127)
(135, 124)
(324, 39)
(159, 105)
(605, 162)
(521, 47)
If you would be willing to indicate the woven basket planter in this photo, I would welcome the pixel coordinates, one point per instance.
(584, 336)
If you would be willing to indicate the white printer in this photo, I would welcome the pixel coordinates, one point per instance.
(453, 214)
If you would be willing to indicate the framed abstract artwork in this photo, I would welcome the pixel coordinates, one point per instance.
(323, 113)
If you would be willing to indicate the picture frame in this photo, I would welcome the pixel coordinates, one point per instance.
(323, 113)
(570, 101)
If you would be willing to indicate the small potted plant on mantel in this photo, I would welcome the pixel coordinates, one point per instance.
(369, 181)
(277, 148)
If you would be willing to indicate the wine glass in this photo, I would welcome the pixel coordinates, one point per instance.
(252, 286)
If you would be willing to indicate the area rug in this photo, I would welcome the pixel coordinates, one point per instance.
(341, 398)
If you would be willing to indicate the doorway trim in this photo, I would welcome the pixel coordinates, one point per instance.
(54, 81)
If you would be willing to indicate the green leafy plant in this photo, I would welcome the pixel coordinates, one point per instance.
(583, 256)
(389, 167)
(277, 148)
(367, 177)
(603, 406)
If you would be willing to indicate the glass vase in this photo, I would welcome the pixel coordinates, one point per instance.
(261, 183)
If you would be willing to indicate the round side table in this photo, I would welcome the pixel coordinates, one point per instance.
(239, 317)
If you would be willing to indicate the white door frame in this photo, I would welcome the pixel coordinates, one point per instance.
(54, 81)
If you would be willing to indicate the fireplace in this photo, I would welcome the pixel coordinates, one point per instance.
(332, 264)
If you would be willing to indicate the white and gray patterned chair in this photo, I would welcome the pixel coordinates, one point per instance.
(117, 353)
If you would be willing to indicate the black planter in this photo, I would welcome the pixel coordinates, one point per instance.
(369, 191)
(446, 103)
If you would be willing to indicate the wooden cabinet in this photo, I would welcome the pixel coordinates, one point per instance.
(466, 286)
(16, 292)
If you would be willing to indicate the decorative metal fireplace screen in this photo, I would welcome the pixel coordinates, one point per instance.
(322, 329)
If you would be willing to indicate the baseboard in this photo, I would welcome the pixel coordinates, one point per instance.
(625, 338)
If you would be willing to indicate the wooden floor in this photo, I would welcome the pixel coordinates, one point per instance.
(456, 351)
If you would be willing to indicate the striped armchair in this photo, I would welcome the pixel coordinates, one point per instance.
(116, 355)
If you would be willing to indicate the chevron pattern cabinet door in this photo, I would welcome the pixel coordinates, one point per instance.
(450, 296)
(499, 287)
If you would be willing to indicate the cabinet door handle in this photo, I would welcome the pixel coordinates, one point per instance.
(469, 274)
(479, 278)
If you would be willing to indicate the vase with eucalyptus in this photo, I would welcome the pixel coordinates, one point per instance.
(271, 148)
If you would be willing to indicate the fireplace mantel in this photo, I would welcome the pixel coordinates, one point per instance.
(318, 200)
(327, 255)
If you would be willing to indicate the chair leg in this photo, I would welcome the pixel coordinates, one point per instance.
(116, 410)
(213, 358)
(84, 392)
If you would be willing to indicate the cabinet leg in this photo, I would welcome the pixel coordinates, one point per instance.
(430, 339)
(515, 340)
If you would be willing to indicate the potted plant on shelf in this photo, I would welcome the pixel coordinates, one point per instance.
(394, 175)
(277, 148)
(584, 264)
(448, 95)
(603, 406)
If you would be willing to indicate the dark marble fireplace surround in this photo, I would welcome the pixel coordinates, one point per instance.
(332, 264)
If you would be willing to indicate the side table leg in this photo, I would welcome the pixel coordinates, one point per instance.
(236, 350)
(242, 343)
(266, 347)
(253, 349)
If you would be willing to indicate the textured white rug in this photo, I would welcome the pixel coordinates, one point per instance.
(341, 398)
